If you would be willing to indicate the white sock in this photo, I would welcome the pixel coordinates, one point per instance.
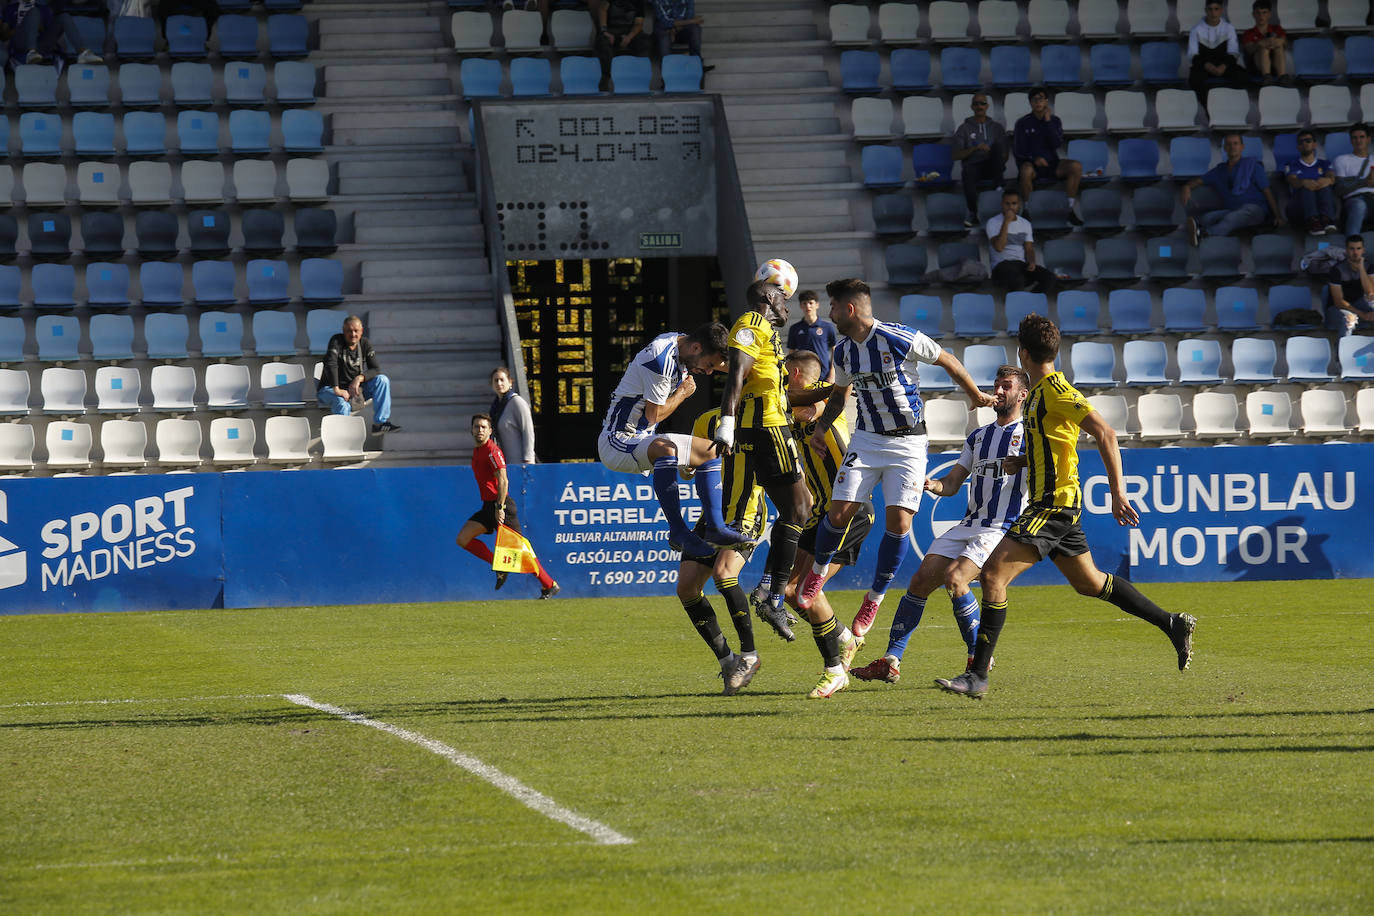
(846, 636)
(876, 597)
(818, 569)
(728, 662)
(838, 669)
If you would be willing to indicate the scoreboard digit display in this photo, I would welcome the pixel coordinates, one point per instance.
(609, 178)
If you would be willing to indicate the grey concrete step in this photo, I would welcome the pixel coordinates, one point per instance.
(744, 126)
(388, 21)
(424, 267)
(419, 184)
(418, 216)
(391, 285)
(387, 88)
(805, 175)
(746, 80)
(766, 19)
(714, 36)
(412, 167)
(411, 70)
(464, 234)
(382, 41)
(752, 63)
(788, 155)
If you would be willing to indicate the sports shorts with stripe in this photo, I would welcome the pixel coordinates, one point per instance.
(1052, 531)
(766, 455)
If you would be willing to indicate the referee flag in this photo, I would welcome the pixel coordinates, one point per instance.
(513, 553)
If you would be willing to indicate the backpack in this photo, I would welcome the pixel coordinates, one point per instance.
(1318, 263)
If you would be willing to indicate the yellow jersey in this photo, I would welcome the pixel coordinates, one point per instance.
(763, 399)
(820, 467)
(1053, 416)
(747, 519)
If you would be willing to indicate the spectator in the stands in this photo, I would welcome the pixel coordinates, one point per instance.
(1311, 202)
(677, 21)
(510, 413)
(619, 30)
(1266, 44)
(344, 381)
(1214, 52)
(980, 143)
(38, 30)
(205, 9)
(1351, 289)
(1355, 180)
(1011, 247)
(814, 333)
(1237, 194)
(1036, 139)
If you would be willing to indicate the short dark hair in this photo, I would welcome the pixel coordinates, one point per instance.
(759, 293)
(1037, 90)
(1355, 127)
(1011, 192)
(1039, 337)
(848, 289)
(713, 337)
(1305, 132)
(503, 370)
(1016, 372)
(1354, 238)
(808, 295)
(810, 361)
(1261, 5)
(480, 416)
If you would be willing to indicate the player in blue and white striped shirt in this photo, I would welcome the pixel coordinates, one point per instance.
(879, 362)
(995, 500)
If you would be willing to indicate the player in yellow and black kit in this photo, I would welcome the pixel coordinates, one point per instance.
(763, 451)
(1049, 527)
(746, 516)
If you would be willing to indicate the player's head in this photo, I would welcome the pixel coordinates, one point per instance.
(500, 380)
(803, 371)
(1010, 388)
(481, 428)
(1037, 339)
(851, 305)
(768, 300)
(704, 350)
(810, 304)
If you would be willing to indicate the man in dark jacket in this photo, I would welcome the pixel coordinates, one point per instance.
(346, 363)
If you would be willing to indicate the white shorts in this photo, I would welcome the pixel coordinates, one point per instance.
(972, 541)
(629, 452)
(899, 462)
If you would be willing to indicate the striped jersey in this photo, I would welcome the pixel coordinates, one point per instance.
(653, 375)
(749, 520)
(1054, 415)
(820, 468)
(763, 399)
(995, 499)
(883, 369)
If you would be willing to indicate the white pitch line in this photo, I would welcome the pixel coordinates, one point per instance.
(509, 784)
(149, 700)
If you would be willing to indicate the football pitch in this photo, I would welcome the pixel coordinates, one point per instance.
(575, 757)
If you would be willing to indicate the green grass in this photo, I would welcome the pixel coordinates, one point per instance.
(1094, 777)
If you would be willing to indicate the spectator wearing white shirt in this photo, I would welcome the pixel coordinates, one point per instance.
(1214, 52)
(1355, 179)
(1012, 249)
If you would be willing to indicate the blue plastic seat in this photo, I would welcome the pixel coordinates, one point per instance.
(209, 230)
(40, 135)
(237, 36)
(193, 84)
(910, 69)
(274, 333)
(135, 37)
(213, 282)
(102, 235)
(1167, 257)
(631, 75)
(1313, 59)
(316, 230)
(1010, 66)
(1272, 255)
(982, 362)
(1129, 310)
(1050, 207)
(1019, 304)
(1092, 154)
(91, 30)
(267, 282)
(1189, 157)
(11, 279)
(250, 131)
(882, 166)
(221, 334)
(262, 235)
(530, 76)
(935, 378)
(1285, 148)
(1153, 207)
(1065, 258)
(36, 85)
(1219, 257)
(1116, 259)
(198, 133)
(1101, 209)
(320, 325)
(953, 254)
(1287, 298)
(1138, 159)
(54, 285)
(1308, 358)
(50, 236)
(9, 235)
(1060, 66)
(295, 82)
(11, 340)
(58, 337)
(166, 334)
(321, 280)
(284, 5)
(1093, 364)
(960, 68)
(945, 213)
(906, 264)
(933, 164)
(1160, 63)
(922, 313)
(145, 133)
(93, 133)
(1237, 308)
(156, 231)
(1253, 360)
(973, 315)
(302, 130)
(107, 285)
(1078, 312)
(579, 75)
(112, 337)
(1145, 362)
(1199, 362)
(859, 71)
(160, 282)
(1336, 144)
(287, 36)
(186, 36)
(88, 85)
(245, 83)
(481, 78)
(140, 85)
(1111, 65)
(893, 213)
(1359, 59)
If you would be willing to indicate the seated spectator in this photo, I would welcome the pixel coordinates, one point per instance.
(511, 416)
(814, 333)
(1351, 289)
(980, 143)
(1036, 139)
(1214, 52)
(1011, 246)
(1355, 180)
(205, 9)
(1266, 44)
(1311, 202)
(677, 21)
(37, 30)
(1238, 192)
(344, 381)
(619, 30)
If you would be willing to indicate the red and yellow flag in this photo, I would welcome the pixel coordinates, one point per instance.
(513, 552)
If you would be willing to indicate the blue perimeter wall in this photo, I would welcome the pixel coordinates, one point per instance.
(293, 538)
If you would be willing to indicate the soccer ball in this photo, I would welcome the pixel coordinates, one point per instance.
(779, 273)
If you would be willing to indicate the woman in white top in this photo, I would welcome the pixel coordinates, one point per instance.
(510, 413)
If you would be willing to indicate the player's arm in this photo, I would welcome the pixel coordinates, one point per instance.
(656, 413)
(740, 364)
(502, 491)
(805, 397)
(949, 484)
(1100, 430)
(834, 407)
(950, 363)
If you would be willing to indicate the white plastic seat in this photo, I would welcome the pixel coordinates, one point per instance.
(898, 23)
(226, 386)
(288, 440)
(1328, 106)
(946, 420)
(202, 182)
(1364, 410)
(97, 184)
(14, 392)
(1323, 412)
(521, 30)
(1297, 16)
(173, 387)
(923, 117)
(849, 24)
(472, 31)
(343, 437)
(69, 445)
(16, 447)
(1269, 412)
(1077, 111)
(232, 441)
(6, 184)
(255, 180)
(1015, 106)
(1215, 414)
(282, 384)
(998, 20)
(150, 184)
(117, 389)
(178, 442)
(1278, 108)
(571, 30)
(1126, 111)
(1114, 411)
(1176, 109)
(1049, 20)
(1160, 416)
(1229, 109)
(948, 20)
(123, 444)
(1147, 19)
(45, 184)
(307, 179)
(64, 390)
(872, 119)
(1098, 20)
(1348, 15)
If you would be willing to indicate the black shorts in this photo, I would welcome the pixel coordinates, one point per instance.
(1043, 172)
(1052, 531)
(486, 516)
(709, 560)
(850, 544)
(764, 455)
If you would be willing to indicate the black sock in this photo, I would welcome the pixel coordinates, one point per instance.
(827, 636)
(704, 617)
(782, 550)
(738, 603)
(989, 628)
(1126, 596)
